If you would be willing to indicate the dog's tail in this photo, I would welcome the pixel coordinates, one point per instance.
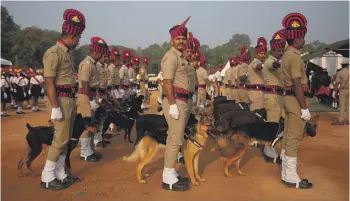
(136, 154)
(29, 127)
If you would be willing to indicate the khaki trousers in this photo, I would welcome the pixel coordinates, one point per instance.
(202, 96)
(234, 94)
(256, 99)
(274, 107)
(242, 96)
(293, 126)
(176, 129)
(228, 93)
(63, 128)
(343, 104)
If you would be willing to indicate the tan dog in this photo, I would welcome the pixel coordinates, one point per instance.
(147, 148)
(234, 154)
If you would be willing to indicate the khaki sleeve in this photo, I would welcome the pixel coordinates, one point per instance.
(205, 75)
(129, 73)
(121, 73)
(295, 67)
(227, 75)
(242, 71)
(169, 66)
(50, 61)
(256, 62)
(142, 71)
(85, 71)
(268, 63)
(337, 80)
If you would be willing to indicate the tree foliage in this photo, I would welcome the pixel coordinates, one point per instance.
(25, 47)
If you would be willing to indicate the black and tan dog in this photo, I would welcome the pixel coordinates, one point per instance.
(148, 146)
(38, 138)
(234, 145)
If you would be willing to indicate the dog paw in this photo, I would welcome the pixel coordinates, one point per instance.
(202, 180)
(147, 175)
(228, 175)
(240, 173)
(196, 183)
(143, 181)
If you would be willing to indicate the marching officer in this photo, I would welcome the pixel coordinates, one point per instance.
(59, 81)
(102, 77)
(123, 71)
(135, 61)
(21, 85)
(255, 77)
(143, 78)
(202, 77)
(227, 79)
(295, 83)
(5, 91)
(175, 86)
(114, 72)
(272, 76)
(36, 89)
(88, 85)
(233, 80)
(242, 72)
(342, 86)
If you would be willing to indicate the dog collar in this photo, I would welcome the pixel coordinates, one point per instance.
(194, 141)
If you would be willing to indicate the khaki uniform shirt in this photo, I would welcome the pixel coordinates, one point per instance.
(343, 78)
(227, 76)
(255, 76)
(88, 72)
(102, 75)
(174, 67)
(242, 70)
(202, 75)
(123, 74)
(192, 78)
(143, 73)
(58, 63)
(292, 66)
(272, 76)
(113, 72)
(132, 75)
(108, 74)
(233, 75)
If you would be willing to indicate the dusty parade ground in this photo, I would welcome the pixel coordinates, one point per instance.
(324, 160)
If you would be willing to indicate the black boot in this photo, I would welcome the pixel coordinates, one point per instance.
(70, 180)
(53, 185)
(91, 158)
(180, 185)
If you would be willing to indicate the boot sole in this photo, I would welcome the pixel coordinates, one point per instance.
(184, 188)
(54, 189)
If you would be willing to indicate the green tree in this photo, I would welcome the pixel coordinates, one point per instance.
(8, 30)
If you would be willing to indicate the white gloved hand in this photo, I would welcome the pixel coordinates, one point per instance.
(42, 90)
(56, 114)
(5, 95)
(160, 100)
(29, 92)
(11, 89)
(131, 80)
(24, 94)
(333, 94)
(174, 111)
(14, 90)
(100, 100)
(305, 114)
(194, 98)
(94, 105)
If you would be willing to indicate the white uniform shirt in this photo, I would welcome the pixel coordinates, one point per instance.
(38, 77)
(22, 82)
(211, 77)
(4, 82)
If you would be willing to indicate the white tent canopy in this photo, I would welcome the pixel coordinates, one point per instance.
(227, 66)
(6, 62)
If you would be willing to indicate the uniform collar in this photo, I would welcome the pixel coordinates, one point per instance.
(273, 58)
(178, 53)
(91, 59)
(63, 46)
(293, 49)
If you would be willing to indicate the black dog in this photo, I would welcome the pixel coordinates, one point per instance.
(124, 119)
(42, 135)
(155, 126)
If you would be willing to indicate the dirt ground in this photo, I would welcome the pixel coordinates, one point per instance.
(324, 160)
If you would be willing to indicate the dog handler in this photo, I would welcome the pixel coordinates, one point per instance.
(175, 86)
(202, 77)
(295, 83)
(59, 81)
(242, 81)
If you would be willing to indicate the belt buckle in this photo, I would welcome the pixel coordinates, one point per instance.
(257, 87)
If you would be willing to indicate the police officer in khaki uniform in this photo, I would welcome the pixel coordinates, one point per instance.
(88, 84)
(342, 86)
(295, 83)
(59, 80)
(272, 76)
(175, 86)
(233, 80)
(102, 77)
(227, 80)
(143, 75)
(242, 74)
(202, 77)
(255, 76)
(123, 71)
(135, 61)
(114, 72)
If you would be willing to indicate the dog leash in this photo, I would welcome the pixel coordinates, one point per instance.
(197, 144)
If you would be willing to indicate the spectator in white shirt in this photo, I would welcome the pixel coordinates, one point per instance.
(5, 92)
(21, 91)
(36, 90)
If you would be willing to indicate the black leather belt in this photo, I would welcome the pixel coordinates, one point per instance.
(274, 91)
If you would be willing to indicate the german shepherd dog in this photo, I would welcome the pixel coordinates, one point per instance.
(234, 145)
(147, 148)
(40, 137)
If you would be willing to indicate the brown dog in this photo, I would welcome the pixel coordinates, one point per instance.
(147, 148)
(233, 154)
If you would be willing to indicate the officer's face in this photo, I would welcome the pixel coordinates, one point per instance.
(179, 42)
(187, 54)
(277, 52)
(261, 56)
(74, 40)
(300, 43)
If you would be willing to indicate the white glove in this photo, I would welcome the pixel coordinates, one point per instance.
(117, 94)
(56, 114)
(11, 89)
(174, 111)
(194, 98)
(29, 92)
(100, 100)
(42, 90)
(131, 80)
(333, 95)
(160, 100)
(305, 114)
(14, 90)
(24, 94)
(93, 105)
(5, 95)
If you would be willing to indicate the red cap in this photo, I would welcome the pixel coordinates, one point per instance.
(179, 30)
(196, 44)
(145, 61)
(126, 55)
(261, 45)
(74, 22)
(135, 60)
(295, 26)
(188, 45)
(232, 60)
(98, 45)
(278, 40)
